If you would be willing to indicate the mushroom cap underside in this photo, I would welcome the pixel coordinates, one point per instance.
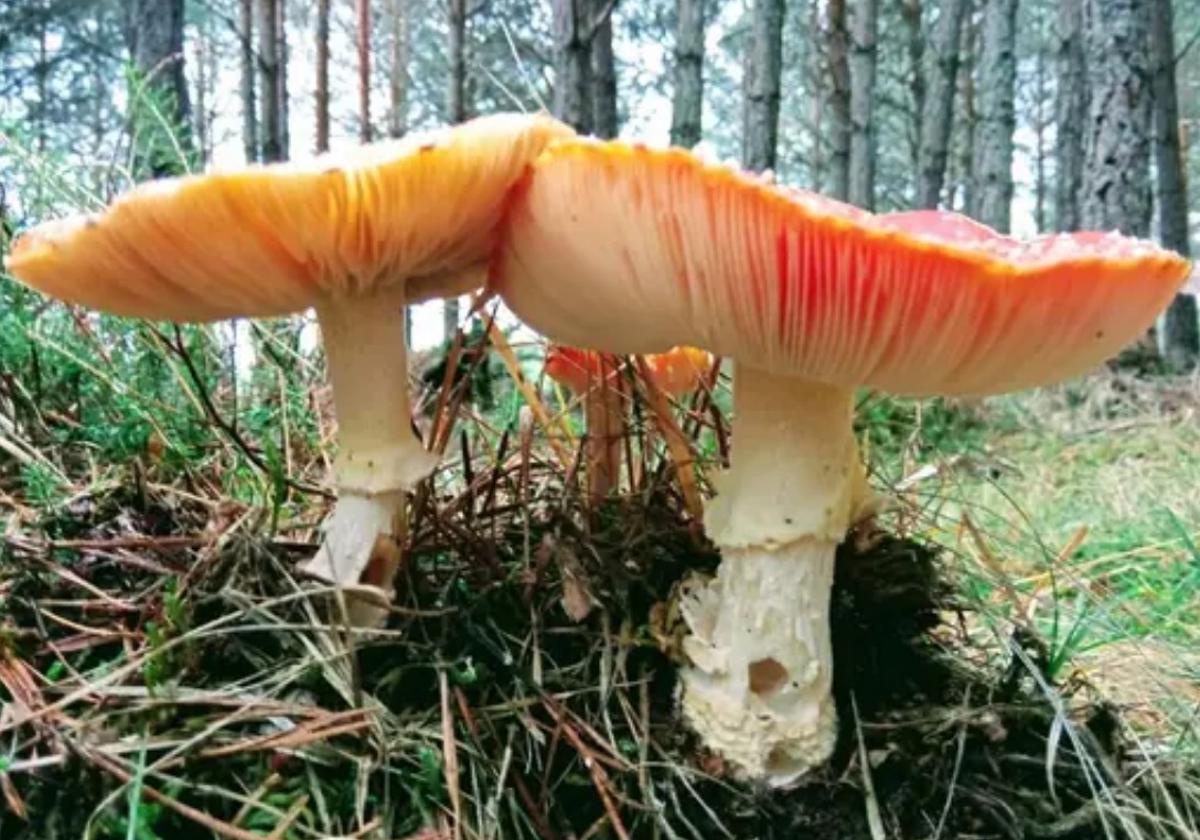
(273, 239)
(633, 250)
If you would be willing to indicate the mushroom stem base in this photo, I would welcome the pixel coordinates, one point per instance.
(758, 689)
(365, 531)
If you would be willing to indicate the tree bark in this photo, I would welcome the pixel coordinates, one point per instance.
(764, 66)
(1070, 114)
(1040, 124)
(249, 105)
(937, 116)
(966, 153)
(322, 92)
(456, 92)
(204, 79)
(42, 76)
(864, 34)
(398, 77)
(839, 100)
(993, 154)
(268, 75)
(572, 64)
(815, 83)
(1181, 331)
(362, 14)
(911, 13)
(281, 72)
(687, 106)
(160, 111)
(605, 119)
(456, 112)
(1116, 172)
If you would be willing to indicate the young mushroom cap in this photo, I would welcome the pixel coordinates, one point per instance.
(676, 371)
(629, 250)
(679, 370)
(574, 368)
(356, 235)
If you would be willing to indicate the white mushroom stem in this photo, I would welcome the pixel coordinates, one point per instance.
(379, 456)
(758, 689)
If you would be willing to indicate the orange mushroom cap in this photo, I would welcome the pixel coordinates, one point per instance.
(633, 250)
(675, 372)
(679, 370)
(268, 240)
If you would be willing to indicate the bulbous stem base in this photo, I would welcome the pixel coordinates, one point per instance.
(758, 691)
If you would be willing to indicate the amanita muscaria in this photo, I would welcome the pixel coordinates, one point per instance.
(356, 235)
(595, 376)
(631, 250)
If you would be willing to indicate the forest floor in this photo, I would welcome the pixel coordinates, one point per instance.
(1016, 640)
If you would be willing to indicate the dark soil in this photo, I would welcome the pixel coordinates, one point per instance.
(564, 728)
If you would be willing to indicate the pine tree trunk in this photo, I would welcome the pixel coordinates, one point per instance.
(1070, 114)
(42, 75)
(1116, 172)
(204, 78)
(398, 75)
(605, 119)
(1040, 124)
(456, 93)
(1181, 339)
(362, 15)
(572, 64)
(937, 117)
(864, 33)
(160, 111)
(687, 107)
(322, 91)
(281, 72)
(837, 39)
(814, 91)
(456, 112)
(970, 116)
(249, 105)
(1116, 193)
(997, 118)
(268, 75)
(764, 65)
(911, 13)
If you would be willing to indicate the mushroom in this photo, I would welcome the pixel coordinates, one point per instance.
(594, 375)
(679, 370)
(356, 235)
(630, 250)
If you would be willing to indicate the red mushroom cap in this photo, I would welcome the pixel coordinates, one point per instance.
(632, 250)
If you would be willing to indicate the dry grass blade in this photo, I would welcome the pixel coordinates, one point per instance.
(677, 443)
(532, 399)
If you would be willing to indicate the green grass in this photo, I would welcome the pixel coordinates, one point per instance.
(1084, 498)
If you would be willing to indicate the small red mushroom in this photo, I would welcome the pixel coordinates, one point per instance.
(595, 376)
